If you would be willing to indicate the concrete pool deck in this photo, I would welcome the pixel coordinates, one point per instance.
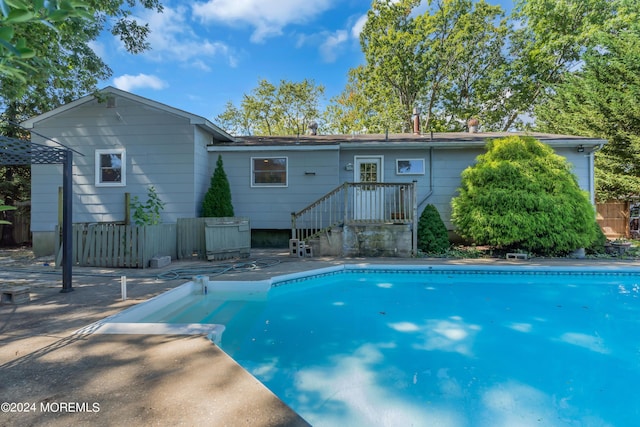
(57, 378)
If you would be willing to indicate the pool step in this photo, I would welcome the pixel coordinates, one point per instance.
(197, 312)
(225, 312)
(170, 310)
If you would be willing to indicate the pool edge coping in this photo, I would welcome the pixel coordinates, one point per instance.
(214, 331)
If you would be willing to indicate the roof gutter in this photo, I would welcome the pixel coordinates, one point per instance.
(592, 178)
(430, 192)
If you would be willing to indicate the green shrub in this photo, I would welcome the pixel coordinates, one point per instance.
(217, 201)
(598, 245)
(520, 194)
(432, 233)
(147, 213)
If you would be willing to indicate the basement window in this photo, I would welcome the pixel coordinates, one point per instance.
(111, 168)
(269, 171)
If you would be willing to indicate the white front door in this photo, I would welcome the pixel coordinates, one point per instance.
(368, 200)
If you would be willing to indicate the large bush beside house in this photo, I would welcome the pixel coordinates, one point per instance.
(432, 233)
(521, 195)
(217, 201)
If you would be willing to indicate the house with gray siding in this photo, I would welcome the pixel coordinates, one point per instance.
(315, 165)
(126, 143)
(123, 143)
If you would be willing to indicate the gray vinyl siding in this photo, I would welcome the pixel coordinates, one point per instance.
(271, 207)
(159, 152)
(580, 165)
(201, 170)
(447, 164)
(390, 174)
(164, 149)
(45, 180)
(447, 168)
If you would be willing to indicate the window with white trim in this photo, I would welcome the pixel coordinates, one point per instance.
(269, 171)
(410, 166)
(111, 168)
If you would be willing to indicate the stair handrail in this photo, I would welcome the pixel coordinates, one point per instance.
(309, 208)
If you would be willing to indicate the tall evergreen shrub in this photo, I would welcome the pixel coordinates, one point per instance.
(521, 195)
(217, 201)
(432, 233)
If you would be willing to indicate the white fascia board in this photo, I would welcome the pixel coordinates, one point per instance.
(230, 148)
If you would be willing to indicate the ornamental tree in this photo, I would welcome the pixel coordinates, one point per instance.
(217, 201)
(521, 195)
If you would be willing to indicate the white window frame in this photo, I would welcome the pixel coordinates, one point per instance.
(123, 167)
(286, 172)
(421, 162)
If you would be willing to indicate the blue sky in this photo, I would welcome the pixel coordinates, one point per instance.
(208, 52)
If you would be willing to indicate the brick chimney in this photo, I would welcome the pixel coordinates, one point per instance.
(416, 120)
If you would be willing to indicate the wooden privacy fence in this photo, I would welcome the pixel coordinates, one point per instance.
(613, 218)
(119, 245)
(20, 228)
(227, 237)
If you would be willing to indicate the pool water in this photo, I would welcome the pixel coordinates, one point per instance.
(441, 348)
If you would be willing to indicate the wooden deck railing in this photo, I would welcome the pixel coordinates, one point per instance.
(356, 203)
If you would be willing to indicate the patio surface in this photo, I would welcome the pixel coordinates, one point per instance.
(51, 376)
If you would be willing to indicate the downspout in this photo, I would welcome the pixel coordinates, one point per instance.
(430, 192)
(592, 181)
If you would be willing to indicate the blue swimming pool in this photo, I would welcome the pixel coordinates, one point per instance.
(439, 346)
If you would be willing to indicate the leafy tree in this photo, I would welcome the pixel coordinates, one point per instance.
(217, 200)
(522, 195)
(46, 44)
(15, 50)
(46, 61)
(547, 42)
(444, 59)
(341, 115)
(285, 109)
(601, 100)
(394, 55)
(459, 59)
(432, 233)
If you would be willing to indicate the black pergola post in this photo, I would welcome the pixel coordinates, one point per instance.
(15, 151)
(67, 223)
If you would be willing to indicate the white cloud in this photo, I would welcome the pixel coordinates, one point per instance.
(98, 48)
(356, 29)
(329, 49)
(267, 17)
(173, 39)
(331, 44)
(128, 82)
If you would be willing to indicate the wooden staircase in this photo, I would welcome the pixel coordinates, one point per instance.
(356, 203)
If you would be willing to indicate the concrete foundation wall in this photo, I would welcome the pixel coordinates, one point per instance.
(44, 243)
(378, 240)
(391, 240)
(328, 244)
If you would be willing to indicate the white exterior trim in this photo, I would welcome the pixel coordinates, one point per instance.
(230, 148)
(123, 167)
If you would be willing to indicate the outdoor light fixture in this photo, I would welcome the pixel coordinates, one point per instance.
(348, 167)
(580, 149)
